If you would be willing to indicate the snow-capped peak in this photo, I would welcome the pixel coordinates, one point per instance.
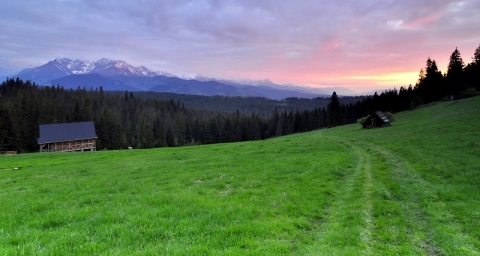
(103, 66)
(71, 66)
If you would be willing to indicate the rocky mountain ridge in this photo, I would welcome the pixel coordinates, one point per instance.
(118, 75)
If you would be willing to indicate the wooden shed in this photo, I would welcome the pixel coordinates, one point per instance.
(78, 136)
(377, 119)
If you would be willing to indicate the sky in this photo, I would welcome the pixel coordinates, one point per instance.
(361, 45)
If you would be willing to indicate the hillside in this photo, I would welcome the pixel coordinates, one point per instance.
(409, 189)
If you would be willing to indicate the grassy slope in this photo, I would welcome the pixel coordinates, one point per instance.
(412, 188)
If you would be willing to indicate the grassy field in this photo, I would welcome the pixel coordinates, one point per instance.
(410, 189)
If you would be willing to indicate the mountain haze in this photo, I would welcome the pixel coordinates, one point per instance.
(117, 75)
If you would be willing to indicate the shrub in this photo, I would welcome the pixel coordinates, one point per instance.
(362, 120)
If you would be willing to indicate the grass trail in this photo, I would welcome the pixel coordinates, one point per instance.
(349, 226)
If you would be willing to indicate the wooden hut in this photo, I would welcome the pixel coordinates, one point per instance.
(377, 119)
(78, 136)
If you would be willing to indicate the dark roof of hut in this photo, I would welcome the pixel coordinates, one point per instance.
(66, 132)
(382, 116)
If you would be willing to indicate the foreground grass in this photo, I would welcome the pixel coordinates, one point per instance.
(412, 188)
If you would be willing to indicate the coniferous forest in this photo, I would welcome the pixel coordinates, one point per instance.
(124, 119)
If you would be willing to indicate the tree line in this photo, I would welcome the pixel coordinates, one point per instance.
(459, 81)
(123, 119)
(246, 105)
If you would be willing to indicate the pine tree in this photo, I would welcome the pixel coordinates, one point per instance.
(431, 68)
(170, 138)
(7, 135)
(455, 73)
(472, 70)
(476, 56)
(333, 111)
(421, 76)
(147, 138)
(431, 86)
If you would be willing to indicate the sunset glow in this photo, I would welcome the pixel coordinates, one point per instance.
(390, 80)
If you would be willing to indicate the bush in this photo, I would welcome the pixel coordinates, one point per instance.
(362, 120)
(415, 102)
(468, 93)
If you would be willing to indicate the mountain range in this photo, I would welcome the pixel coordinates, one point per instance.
(117, 75)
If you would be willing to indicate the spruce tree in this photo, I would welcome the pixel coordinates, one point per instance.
(472, 70)
(170, 138)
(7, 135)
(333, 111)
(455, 73)
(476, 56)
(431, 86)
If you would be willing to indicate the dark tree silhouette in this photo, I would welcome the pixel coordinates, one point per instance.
(431, 85)
(455, 78)
(476, 56)
(7, 135)
(333, 111)
(472, 71)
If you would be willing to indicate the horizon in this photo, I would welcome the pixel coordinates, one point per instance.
(360, 46)
(341, 91)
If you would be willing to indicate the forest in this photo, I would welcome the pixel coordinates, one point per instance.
(246, 105)
(141, 120)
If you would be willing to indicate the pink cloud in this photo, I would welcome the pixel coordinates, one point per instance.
(420, 22)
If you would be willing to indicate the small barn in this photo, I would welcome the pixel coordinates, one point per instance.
(62, 137)
(377, 119)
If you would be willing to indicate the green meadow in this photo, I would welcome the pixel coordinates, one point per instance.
(409, 189)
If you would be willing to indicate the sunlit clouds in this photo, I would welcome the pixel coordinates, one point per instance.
(356, 44)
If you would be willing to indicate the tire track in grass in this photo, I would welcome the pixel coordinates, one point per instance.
(396, 228)
(386, 198)
(387, 222)
(384, 227)
(414, 198)
(410, 185)
(365, 166)
(349, 225)
(405, 221)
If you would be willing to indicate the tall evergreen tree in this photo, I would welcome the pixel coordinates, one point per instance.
(476, 56)
(7, 135)
(421, 75)
(147, 138)
(455, 65)
(170, 138)
(455, 73)
(333, 111)
(472, 70)
(431, 86)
